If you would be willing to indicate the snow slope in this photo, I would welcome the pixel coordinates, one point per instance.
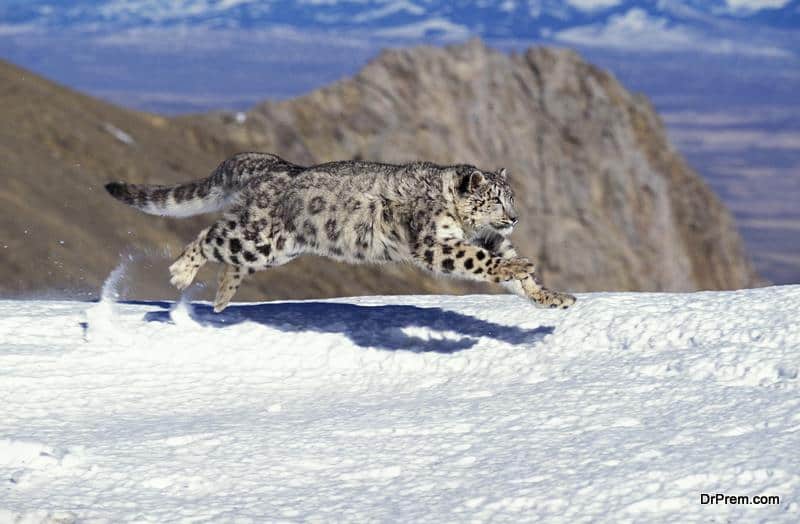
(625, 408)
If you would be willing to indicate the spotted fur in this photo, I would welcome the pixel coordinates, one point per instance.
(450, 220)
(214, 193)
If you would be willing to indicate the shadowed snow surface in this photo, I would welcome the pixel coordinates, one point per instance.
(428, 409)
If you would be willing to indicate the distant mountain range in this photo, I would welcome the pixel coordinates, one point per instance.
(751, 27)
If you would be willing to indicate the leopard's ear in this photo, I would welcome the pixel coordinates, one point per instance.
(503, 173)
(470, 181)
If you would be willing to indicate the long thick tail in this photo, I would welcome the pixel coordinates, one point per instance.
(211, 194)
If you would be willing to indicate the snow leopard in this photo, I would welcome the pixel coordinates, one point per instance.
(452, 220)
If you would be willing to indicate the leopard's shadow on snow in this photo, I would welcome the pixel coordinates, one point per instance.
(389, 327)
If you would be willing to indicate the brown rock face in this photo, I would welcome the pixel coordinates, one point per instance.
(59, 233)
(606, 202)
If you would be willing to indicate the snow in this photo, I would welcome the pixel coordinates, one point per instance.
(160, 11)
(118, 133)
(755, 5)
(638, 31)
(593, 5)
(389, 9)
(440, 27)
(625, 408)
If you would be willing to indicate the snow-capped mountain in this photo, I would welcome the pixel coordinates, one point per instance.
(649, 25)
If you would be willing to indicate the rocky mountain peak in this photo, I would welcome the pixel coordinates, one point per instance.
(606, 202)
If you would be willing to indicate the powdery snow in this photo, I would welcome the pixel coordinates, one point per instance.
(625, 408)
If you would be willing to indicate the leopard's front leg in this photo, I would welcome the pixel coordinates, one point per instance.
(530, 285)
(459, 258)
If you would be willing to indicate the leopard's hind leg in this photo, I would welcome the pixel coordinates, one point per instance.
(229, 279)
(242, 250)
(185, 268)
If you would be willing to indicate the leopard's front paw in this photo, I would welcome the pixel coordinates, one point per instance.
(547, 298)
(516, 269)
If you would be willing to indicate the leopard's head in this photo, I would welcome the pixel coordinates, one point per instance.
(485, 201)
